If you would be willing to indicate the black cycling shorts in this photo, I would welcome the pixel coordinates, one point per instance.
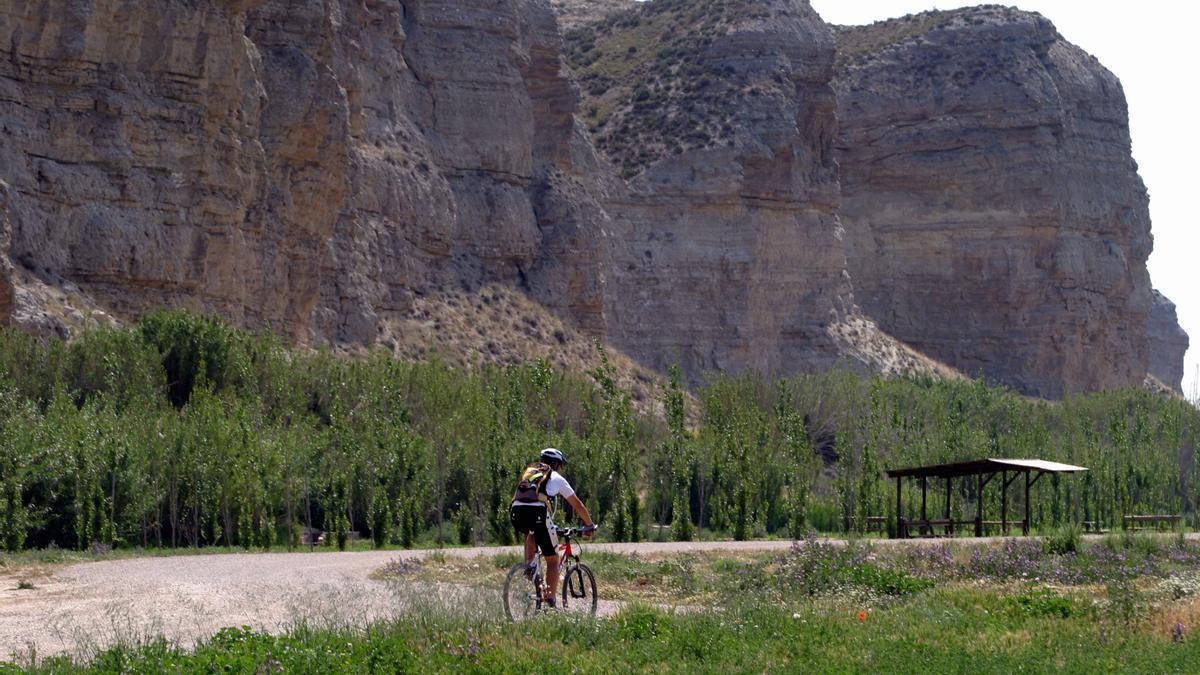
(531, 519)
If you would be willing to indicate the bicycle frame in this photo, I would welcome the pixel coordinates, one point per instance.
(565, 553)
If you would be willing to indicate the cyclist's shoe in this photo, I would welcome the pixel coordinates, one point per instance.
(549, 605)
(530, 570)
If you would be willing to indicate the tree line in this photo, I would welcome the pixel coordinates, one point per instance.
(182, 431)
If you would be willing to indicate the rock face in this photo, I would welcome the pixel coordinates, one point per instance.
(994, 214)
(1168, 343)
(358, 172)
(726, 248)
(307, 164)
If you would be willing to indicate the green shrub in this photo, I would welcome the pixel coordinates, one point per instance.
(1044, 603)
(1065, 539)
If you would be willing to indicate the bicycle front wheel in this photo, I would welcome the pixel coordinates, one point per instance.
(520, 594)
(579, 590)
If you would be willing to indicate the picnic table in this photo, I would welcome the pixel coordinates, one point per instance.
(926, 527)
(1138, 522)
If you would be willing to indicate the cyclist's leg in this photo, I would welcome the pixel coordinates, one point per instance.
(524, 521)
(549, 546)
(530, 547)
(551, 576)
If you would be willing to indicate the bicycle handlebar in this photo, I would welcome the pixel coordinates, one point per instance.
(568, 532)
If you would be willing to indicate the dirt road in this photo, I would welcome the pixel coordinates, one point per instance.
(85, 607)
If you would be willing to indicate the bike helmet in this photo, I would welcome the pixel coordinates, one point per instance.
(552, 456)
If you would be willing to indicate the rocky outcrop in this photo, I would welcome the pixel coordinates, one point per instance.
(725, 256)
(726, 246)
(994, 215)
(311, 165)
(344, 171)
(1167, 343)
(574, 13)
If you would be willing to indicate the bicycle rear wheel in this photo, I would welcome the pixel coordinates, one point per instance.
(520, 594)
(579, 590)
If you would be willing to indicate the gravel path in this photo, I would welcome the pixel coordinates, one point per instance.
(85, 607)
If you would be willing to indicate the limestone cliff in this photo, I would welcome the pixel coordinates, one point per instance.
(726, 247)
(427, 175)
(1167, 343)
(311, 164)
(994, 214)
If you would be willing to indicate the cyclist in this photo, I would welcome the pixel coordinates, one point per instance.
(533, 507)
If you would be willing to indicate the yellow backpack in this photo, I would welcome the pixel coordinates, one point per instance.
(532, 487)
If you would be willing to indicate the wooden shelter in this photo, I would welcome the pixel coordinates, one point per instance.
(983, 470)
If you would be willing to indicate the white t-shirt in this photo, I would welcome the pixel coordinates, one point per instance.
(557, 486)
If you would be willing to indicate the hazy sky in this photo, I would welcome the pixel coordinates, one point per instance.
(1151, 46)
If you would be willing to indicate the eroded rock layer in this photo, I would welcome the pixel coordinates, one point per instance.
(726, 249)
(344, 171)
(1167, 343)
(308, 164)
(995, 217)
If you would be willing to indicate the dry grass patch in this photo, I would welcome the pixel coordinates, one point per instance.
(1176, 620)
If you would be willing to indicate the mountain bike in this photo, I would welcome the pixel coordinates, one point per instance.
(525, 585)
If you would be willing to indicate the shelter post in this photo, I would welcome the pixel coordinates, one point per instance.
(900, 533)
(949, 523)
(1004, 502)
(924, 516)
(979, 508)
(1025, 525)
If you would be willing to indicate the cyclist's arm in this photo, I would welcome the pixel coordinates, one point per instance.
(577, 504)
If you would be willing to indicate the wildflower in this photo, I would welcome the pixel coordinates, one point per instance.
(1177, 634)
(862, 616)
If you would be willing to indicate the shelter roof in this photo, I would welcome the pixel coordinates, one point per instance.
(978, 466)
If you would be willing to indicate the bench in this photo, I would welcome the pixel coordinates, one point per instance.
(924, 527)
(874, 523)
(1139, 522)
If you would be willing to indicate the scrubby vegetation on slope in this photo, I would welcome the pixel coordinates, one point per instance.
(857, 43)
(649, 92)
(182, 431)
